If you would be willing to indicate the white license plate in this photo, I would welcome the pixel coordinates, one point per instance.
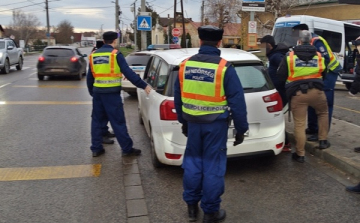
(56, 70)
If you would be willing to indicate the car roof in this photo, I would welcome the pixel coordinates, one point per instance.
(141, 53)
(176, 56)
(61, 47)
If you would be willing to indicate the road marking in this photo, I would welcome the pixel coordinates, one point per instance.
(31, 74)
(45, 102)
(25, 68)
(49, 86)
(348, 109)
(4, 85)
(50, 172)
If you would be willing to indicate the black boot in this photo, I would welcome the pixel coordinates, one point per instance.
(215, 217)
(300, 159)
(193, 210)
(354, 189)
(106, 140)
(324, 144)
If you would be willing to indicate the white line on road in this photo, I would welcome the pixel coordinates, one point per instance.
(31, 74)
(4, 85)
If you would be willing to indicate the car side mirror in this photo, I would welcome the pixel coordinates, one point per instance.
(10, 47)
(84, 55)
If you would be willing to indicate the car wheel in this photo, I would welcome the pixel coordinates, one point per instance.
(348, 85)
(79, 76)
(6, 68)
(140, 117)
(20, 64)
(40, 77)
(154, 159)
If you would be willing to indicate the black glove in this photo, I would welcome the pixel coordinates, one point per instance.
(184, 128)
(239, 138)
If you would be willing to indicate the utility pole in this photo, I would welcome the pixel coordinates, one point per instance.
(117, 14)
(135, 25)
(202, 13)
(183, 37)
(143, 33)
(47, 22)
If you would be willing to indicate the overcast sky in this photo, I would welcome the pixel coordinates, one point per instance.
(90, 15)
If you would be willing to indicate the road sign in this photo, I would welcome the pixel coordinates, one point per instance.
(253, 5)
(252, 27)
(176, 32)
(144, 23)
(175, 39)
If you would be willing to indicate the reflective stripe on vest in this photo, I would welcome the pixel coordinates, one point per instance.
(333, 63)
(300, 70)
(201, 85)
(105, 69)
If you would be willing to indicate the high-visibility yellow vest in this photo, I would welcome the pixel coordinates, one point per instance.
(334, 63)
(105, 69)
(300, 70)
(202, 90)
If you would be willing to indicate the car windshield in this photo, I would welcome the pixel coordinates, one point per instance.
(2, 45)
(137, 59)
(284, 35)
(58, 52)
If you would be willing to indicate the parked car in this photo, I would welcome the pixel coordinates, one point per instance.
(157, 113)
(61, 61)
(137, 62)
(10, 55)
(163, 46)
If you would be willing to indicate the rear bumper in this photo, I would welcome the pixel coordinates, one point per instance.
(65, 72)
(127, 86)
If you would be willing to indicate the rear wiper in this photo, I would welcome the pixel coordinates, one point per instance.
(247, 88)
(51, 55)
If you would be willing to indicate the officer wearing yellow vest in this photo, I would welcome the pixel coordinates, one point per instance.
(302, 72)
(333, 69)
(206, 89)
(106, 67)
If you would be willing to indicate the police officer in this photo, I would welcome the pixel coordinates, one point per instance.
(355, 86)
(106, 67)
(302, 70)
(332, 73)
(206, 87)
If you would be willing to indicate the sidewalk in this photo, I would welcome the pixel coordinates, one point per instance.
(343, 137)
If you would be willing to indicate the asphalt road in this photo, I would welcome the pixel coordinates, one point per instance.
(44, 145)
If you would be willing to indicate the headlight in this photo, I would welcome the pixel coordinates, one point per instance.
(1, 53)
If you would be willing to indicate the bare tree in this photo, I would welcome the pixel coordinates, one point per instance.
(25, 25)
(64, 31)
(221, 11)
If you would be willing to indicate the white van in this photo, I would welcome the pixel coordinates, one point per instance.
(338, 34)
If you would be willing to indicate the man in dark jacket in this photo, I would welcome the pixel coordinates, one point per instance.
(355, 86)
(302, 71)
(275, 54)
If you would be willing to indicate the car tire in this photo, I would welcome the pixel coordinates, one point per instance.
(6, 68)
(41, 77)
(154, 159)
(348, 85)
(140, 117)
(20, 64)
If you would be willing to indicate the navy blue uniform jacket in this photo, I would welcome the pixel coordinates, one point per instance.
(233, 91)
(125, 69)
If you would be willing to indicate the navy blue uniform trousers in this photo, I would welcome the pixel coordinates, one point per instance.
(110, 105)
(204, 164)
(329, 86)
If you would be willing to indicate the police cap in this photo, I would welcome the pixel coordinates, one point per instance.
(301, 26)
(110, 35)
(210, 33)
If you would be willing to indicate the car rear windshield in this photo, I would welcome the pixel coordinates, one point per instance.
(137, 59)
(253, 78)
(2, 45)
(58, 52)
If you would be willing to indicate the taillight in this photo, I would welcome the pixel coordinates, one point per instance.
(172, 156)
(41, 59)
(274, 98)
(279, 145)
(167, 110)
(74, 59)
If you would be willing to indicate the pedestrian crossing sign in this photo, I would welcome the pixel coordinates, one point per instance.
(144, 23)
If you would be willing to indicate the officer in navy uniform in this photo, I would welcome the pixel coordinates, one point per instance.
(204, 116)
(334, 68)
(106, 67)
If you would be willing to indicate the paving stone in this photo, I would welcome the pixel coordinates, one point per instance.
(136, 208)
(132, 179)
(131, 168)
(143, 219)
(134, 192)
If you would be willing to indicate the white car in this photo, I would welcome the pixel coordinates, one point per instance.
(157, 111)
(137, 62)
